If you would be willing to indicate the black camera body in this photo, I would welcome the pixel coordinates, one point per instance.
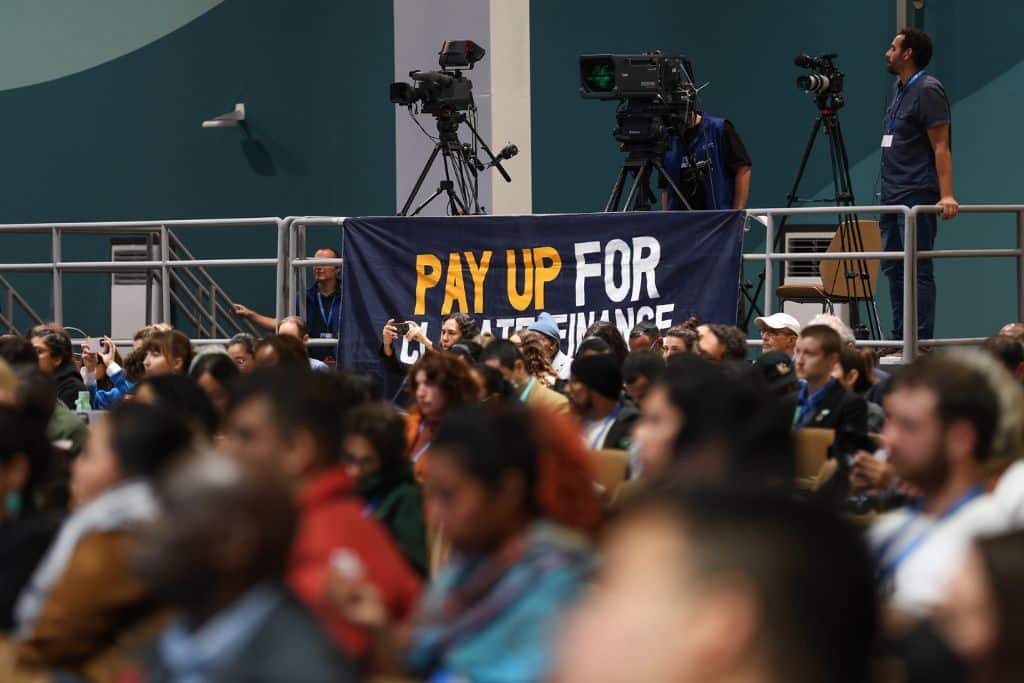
(437, 92)
(656, 76)
(826, 81)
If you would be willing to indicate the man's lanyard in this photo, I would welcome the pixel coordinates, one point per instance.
(606, 425)
(889, 569)
(326, 318)
(418, 454)
(528, 390)
(899, 100)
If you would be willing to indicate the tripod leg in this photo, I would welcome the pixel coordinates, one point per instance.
(616, 195)
(419, 182)
(672, 184)
(635, 188)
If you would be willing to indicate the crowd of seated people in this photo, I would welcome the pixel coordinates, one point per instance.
(665, 505)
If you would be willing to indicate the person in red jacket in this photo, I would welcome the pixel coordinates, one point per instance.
(292, 421)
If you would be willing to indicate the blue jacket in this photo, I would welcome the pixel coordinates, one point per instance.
(105, 399)
(708, 143)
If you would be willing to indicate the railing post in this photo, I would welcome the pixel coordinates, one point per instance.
(909, 284)
(769, 272)
(283, 266)
(301, 253)
(292, 251)
(165, 280)
(1020, 265)
(58, 277)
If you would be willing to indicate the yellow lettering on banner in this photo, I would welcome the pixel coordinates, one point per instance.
(454, 286)
(478, 273)
(545, 273)
(520, 302)
(428, 274)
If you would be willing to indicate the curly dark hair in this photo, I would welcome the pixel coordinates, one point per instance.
(451, 373)
(734, 340)
(920, 42)
(467, 325)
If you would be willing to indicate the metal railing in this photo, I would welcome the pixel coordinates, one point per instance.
(909, 256)
(11, 296)
(298, 262)
(196, 294)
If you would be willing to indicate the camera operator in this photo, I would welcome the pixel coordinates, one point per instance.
(917, 168)
(709, 164)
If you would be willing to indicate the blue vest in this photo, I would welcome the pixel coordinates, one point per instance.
(708, 143)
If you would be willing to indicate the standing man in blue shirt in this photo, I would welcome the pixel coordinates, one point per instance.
(323, 307)
(917, 168)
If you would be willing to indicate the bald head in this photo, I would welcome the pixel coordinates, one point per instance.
(224, 529)
(1015, 330)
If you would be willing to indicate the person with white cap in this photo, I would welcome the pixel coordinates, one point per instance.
(779, 332)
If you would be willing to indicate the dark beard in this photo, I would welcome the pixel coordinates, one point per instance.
(891, 69)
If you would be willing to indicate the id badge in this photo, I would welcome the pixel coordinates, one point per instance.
(887, 140)
(326, 335)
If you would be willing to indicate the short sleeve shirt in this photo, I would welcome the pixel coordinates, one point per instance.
(908, 165)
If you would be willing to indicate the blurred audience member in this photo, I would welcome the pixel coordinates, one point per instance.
(854, 375)
(593, 346)
(779, 371)
(438, 383)
(645, 336)
(701, 425)
(508, 359)
(552, 341)
(83, 596)
(277, 350)
(942, 418)
(680, 339)
(17, 350)
(779, 332)
(467, 349)
(374, 454)
(242, 348)
(1009, 351)
(1015, 330)
(53, 353)
(179, 394)
(720, 586)
(295, 326)
(36, 395)
(595, 394)
(219, 554)
(26, 527)
(295, 427)
(606, 330)
(823, 401)
(846, 336)
(513, 492)
(103, 360)
(167, 352)
(640, 371)
(983, 613)
(722, 342)
(455, 328)
(214, 372)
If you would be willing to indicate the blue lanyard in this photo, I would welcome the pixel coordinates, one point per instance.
(418, 454)
(605, 427)
(528, 390)
(890, 568)
(326, 318)
(899, 100)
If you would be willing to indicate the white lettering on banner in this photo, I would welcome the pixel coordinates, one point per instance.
(571, 326)
(409, 355)
(643, 266)
(584, 269)
(634, 272)
(616, 292)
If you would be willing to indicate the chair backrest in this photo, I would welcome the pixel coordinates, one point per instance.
(860, 236)
(612, 467)
(810, 445)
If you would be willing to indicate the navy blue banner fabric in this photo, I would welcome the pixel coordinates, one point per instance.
(624, 267)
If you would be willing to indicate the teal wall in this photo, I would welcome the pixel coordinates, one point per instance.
(745, 49)
(121, 139)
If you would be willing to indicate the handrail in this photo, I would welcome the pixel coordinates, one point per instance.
(12, 295)
(910, 256)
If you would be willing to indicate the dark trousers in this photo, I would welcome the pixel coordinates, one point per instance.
(892, 240)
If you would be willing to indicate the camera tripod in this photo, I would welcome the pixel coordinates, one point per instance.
(641, 163)
(461, 168)
(855, 270)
